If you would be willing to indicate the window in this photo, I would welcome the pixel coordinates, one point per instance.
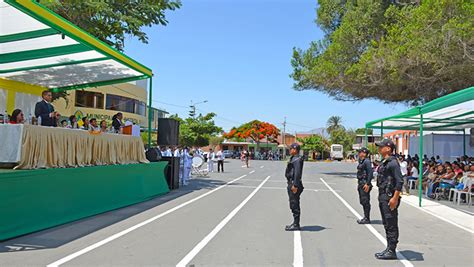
(125, 104)
(88, 99)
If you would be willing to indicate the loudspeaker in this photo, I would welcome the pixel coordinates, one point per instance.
(153, 154)
(168, 132)
(172, 172)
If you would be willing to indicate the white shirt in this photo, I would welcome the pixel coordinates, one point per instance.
(212, 156)
(403, 167)
(220, 155)
(176, 153)
(414, 172)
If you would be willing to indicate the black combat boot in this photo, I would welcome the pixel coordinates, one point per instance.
(364, 220)
(378, 254)
(390, 254)
(293, 227)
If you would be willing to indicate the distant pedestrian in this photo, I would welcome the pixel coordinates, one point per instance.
(246, 157)
(211, 157)
(220, 161)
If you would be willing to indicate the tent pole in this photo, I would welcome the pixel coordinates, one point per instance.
(150, 111)
(420, 164)
(381, 129)
(366, 137)
(464, 142)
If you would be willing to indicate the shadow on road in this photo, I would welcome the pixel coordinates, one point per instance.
(341, 174)
(376, 222)
(412, 255)
(312, 228)
(60, 235)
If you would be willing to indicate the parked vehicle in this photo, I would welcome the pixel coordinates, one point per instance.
(228, 154)
(337, 152)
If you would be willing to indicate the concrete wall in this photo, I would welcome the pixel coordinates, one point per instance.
(447, 146)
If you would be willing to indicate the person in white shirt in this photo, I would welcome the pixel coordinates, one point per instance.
(168, 152)
(404, 170)
(187, 164)
(176, 153)
(210, 160)
(220, 161)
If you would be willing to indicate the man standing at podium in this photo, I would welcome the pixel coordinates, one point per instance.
(45, 110)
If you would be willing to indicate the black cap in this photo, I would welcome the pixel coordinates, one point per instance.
(386, 142)
(295, 146)
(365, 150)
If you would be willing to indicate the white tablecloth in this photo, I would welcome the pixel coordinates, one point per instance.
(10, 142)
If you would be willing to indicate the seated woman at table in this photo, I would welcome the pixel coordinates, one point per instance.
(17, 117)
(63, 124)
(72, 122)
(103, 126)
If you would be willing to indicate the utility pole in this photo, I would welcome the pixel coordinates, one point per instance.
(192, 112)
(284, 139)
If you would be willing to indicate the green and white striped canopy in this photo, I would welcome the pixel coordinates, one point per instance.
(39, 47)
(451, 112)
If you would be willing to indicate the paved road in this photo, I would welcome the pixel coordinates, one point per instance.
(237, 218)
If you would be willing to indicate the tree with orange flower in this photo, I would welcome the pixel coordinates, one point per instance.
(255, 130)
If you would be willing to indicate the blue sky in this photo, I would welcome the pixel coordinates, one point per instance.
(236, 55)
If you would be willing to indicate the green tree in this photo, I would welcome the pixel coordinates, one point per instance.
(113, 21)
(362, 131)
(215, 141)
(197, 131)
(395, 51)
(334, 123)
(313, 143)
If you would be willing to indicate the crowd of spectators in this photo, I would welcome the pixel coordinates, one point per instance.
(438, 177)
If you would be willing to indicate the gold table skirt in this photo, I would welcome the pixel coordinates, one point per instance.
(48, 147)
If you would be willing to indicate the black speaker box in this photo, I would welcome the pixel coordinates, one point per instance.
(168, 132)
(153, 154)
(172, 172)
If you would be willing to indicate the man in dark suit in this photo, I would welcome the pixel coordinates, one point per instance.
(117, 122)
(45, 110)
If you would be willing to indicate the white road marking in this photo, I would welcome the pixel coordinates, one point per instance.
(128, 230)
(298, 250)
(261, 167)
(251, 172)
(400, 256)
(219, 227)
(279, 188)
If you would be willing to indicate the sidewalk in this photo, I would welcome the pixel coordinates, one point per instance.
(443, 212)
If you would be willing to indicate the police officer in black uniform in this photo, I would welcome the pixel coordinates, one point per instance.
(364, 180)
(389, 182)
(293, 173)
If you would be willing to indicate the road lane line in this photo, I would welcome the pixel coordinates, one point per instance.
(382, 239)
(128, 230)
(218, 228)
(261, 167)
(251, 172)
(298, 250)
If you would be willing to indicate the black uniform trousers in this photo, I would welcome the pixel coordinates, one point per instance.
(295, 204)
(220, 166)
(364, 199)
(389, 220)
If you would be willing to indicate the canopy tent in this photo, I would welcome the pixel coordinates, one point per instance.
(40, 50)
(453, 112)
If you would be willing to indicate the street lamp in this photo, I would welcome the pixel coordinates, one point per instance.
(192, 113)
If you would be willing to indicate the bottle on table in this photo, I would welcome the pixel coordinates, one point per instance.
(5, 117)
(30, 119)
(39, 121)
